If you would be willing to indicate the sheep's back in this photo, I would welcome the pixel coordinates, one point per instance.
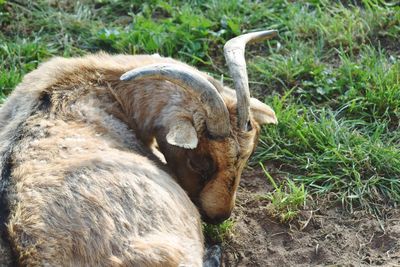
(79, 196)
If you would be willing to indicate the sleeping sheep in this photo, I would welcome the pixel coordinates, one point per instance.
(80, 182)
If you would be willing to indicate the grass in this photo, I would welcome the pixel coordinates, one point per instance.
(286, 200)
(218, 233)
(338, 106)
(332, 76)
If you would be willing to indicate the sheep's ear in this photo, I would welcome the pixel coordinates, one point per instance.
(262, 113)
(182, 134)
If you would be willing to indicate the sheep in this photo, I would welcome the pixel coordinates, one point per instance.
(80, 182)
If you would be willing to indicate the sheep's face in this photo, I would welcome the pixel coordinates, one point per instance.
(211, 171)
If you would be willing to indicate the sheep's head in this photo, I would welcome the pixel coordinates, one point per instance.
(207, 154)
(211, 171)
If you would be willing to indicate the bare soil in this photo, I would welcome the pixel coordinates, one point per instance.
(320, 237)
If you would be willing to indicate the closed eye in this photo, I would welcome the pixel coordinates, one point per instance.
(205, 167)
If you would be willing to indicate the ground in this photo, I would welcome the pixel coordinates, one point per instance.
(320, 237)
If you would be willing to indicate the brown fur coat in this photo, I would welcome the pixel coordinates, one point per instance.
(80, 188)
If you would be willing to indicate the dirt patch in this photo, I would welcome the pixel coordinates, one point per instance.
(327, 236)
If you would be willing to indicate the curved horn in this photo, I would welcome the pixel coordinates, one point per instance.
(234, 56)
(217, 120)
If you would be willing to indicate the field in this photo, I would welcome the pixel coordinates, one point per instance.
(323, 186)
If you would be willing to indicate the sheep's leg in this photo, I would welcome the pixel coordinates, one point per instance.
(212, 257)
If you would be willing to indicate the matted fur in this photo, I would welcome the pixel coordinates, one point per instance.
(83, 186)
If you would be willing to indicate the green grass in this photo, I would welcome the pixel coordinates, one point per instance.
(338, 105)
(332, 76)
(218, 233)
(286, 200)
